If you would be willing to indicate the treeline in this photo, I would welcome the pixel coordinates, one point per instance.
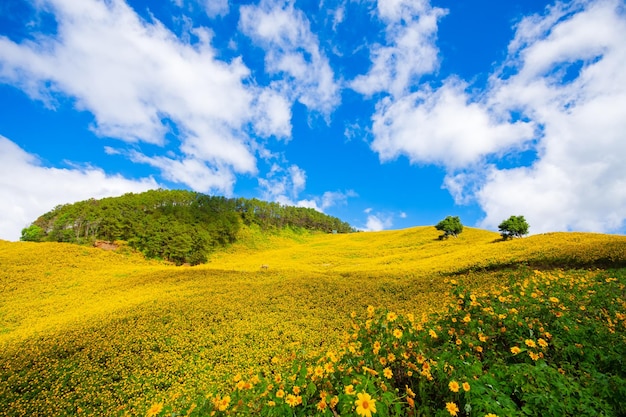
(176, 225)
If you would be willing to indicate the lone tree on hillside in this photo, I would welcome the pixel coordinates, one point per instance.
(514, 226)
(450, 226)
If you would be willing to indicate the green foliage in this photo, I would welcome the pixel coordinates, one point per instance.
(548, 344)
(514, 226)
(175, 225)
(450, 226)
(32, 233)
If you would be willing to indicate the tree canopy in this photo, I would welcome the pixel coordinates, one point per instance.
(176, 225)
(514, 226)
(450, 226)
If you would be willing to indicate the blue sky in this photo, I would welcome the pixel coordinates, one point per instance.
(387, 114)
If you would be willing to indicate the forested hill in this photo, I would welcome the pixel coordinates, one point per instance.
(176, 225)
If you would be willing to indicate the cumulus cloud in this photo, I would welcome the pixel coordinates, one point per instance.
(30, 189)
(568, 77)
(140, 81)
(443, 126)
(376, 222)
(560, 94)
(410, 49)
(215, 8)
(284, 186)
(293, 53)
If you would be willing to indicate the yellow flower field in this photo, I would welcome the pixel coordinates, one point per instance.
(89, 332)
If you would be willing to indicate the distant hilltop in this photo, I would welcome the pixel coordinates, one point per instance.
(175, 225)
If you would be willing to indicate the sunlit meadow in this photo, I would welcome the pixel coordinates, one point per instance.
(89, 332)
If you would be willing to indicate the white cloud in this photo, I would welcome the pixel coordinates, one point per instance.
(274, 114)
(579, 180)
(339, 14)
(377, 222)
(283, 185)
(410, 50)
(336, 198)
(443, 127)
(293, 52)
(29, 189)
(561, 93)
(216, 8)
(191, 171)
(138, 79)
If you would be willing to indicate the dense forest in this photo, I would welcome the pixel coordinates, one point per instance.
(176, 225)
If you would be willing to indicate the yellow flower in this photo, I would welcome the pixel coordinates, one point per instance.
(410, 392)
(222, 404)
(432, 334)
(319, 371)
(383, 361)
(391, 357)
(154, 410)
(370, 311)
(467, 318)
(387, 373)
(452, 409)
(542, 343)
(482, 337)
(391, 316)
(365, 405)
(466, 386)
(334, 401)
(280, 393)
(553, 300)
(296, 390)
(530, 343)
(376, 348)
(241, 385)
(411, 402)
(321, 406)
(533, 356)
(271, 403)
(454, 386)
(515, 350)
(349, 389)
(397, 333)
(293, 400)
(491, 415)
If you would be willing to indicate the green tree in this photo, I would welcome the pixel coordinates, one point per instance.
(450, 226)
(33, 233)
(514, 226)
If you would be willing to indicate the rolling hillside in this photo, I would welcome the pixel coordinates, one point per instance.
(90, 332)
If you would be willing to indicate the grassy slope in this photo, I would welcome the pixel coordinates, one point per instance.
(101, 331)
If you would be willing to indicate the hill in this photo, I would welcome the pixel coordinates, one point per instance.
(90, 332)
(175, 225)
